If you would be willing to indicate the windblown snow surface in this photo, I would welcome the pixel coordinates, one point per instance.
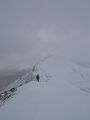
(61, 94)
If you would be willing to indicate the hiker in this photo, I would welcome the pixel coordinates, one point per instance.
(37, 77)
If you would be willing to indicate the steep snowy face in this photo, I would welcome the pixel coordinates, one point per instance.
(60, 93)
(52, 67)
(65, 70)
(19, 79)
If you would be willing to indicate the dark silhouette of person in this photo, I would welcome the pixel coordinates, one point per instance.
(37, 77)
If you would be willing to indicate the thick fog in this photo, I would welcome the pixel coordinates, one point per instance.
(33, 29)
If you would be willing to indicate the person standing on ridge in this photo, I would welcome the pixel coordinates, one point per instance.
(37, 77)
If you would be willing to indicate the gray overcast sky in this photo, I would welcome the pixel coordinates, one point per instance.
(31, 29)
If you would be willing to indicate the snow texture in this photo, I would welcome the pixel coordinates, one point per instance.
(64, 96)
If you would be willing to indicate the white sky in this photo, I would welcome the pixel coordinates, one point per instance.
(31, 29)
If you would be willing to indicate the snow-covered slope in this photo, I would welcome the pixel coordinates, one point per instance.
(65, 70)
(58, 95)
